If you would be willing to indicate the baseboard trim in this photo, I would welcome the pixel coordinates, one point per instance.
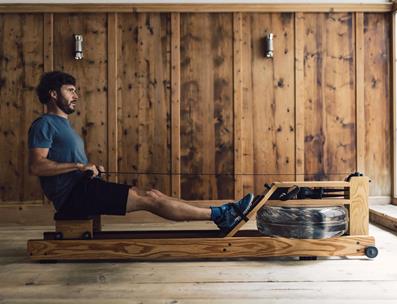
(382, 219)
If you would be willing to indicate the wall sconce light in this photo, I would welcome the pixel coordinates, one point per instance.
(269, 45)
(78, 46)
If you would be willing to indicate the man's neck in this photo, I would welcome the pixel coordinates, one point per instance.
(53, 109)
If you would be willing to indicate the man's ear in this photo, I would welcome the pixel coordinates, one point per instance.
(53, 94)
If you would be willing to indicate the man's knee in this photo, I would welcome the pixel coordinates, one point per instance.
(137, 202)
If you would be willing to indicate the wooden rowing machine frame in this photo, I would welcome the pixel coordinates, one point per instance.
(82, 239)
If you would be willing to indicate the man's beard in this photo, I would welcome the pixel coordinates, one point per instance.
(62, 103)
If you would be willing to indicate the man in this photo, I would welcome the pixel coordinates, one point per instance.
(57, 156)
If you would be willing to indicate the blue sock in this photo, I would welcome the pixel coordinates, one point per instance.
(215, 213)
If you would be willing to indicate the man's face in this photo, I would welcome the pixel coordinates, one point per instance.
(67, 99)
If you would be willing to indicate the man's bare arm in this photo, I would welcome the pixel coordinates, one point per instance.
(39, 165)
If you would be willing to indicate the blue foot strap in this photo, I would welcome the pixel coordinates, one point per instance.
(239, 212)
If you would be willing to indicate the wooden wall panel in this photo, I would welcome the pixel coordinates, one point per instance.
(378, 110)
(207, 106)
(218, 76)
(299, 98)
(144, 99)
(175, 105)
(90, 118)
(268, 101)
(360, 106)
(238, 104)
(329, 84)
(48, 39)
(21, 64)
(112, 107)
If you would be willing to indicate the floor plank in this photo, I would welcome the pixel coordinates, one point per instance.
(274, 280)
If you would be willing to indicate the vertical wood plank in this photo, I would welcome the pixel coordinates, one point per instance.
(90, 118)
(330, 114)
(48, 32)
(207, 106)
(393, 40)
(358, 211)
(48, 51)
(238, 104)
(299, 98)
(144, 86)
(21, 64)
(247, 105)
(269, 101)
(30, 51)
(360, 109)
(377, 106)
(112, 125)
(175, 105)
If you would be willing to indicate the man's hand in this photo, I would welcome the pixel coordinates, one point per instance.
(101, 169)
(91, 167)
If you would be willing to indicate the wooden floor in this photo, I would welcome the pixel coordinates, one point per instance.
(336, 280)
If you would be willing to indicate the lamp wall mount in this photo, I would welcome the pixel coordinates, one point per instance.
(78, 46)
(269, 45)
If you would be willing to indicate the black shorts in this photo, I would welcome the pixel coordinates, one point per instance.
(95, 197)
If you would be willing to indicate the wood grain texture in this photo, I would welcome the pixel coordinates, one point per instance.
(330, 129)
(74, 229)
(238, 104)
(268, 101)
(207, 106)
(281, 280)
(144, 99)
(311, 93)
(358, 211)
(378, 105)
(188, 7)
(383, 219)
(360, 106)
(394, 101)
(176, 104)
(325, 184)
(90, 118)
(247, 113)
(288, 280)
(21, 64)
(112, 124)
(299, 98)
(196, 248)
(48, 36)
(48, 58)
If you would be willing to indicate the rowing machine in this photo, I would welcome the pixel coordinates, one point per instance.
(209, 244)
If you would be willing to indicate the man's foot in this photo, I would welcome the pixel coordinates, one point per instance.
(233, 213)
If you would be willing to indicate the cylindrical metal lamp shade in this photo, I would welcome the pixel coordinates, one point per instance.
(269, 46)
(78, 47)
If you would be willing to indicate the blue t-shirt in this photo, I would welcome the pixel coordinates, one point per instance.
(65, 146)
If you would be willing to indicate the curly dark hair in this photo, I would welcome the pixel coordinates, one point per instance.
(52, 81)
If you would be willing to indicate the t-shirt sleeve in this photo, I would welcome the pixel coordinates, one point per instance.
(40, 134)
